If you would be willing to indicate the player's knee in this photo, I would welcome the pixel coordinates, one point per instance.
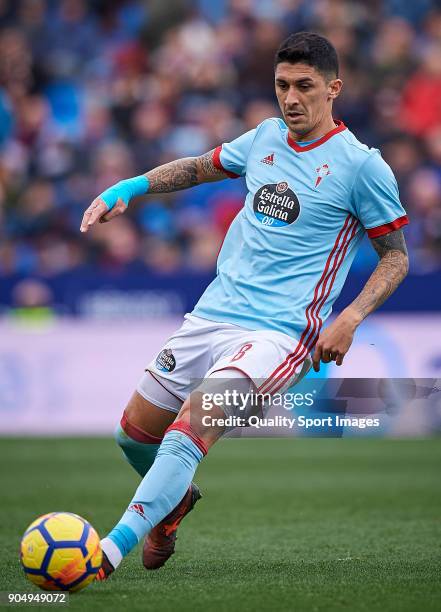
(140, 455)
(120, 437)
(123, 439)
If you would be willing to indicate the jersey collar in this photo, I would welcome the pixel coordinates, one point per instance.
(339, 127)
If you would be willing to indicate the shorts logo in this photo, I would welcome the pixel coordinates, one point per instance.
(166, 361)
(276, 205)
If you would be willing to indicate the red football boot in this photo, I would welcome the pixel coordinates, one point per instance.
(159, 545)
(105, 570)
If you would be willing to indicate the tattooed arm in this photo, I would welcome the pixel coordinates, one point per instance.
(184, 173)
(334, 342)
(174, 176)
(390, 271)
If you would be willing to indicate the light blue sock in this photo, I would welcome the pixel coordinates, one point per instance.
(160, 491)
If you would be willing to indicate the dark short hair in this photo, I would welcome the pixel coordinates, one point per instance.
(309, 48)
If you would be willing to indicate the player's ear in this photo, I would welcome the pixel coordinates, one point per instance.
(334, 88)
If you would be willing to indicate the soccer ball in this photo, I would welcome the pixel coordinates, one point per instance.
(60, 551)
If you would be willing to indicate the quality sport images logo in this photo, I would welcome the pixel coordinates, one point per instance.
(276, 205)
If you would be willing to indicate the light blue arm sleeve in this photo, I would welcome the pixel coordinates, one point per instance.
(231, 157)
(376, 199)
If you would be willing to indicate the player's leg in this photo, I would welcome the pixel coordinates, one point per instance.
(185, 356)
(185, 443)
(262, 355)
(139, 435)
(267, 357)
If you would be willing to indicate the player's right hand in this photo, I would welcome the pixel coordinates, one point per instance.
(99, 211)
(114, 201)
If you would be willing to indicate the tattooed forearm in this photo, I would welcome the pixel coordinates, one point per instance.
(390, 271)
(184, 173)
(176, 175)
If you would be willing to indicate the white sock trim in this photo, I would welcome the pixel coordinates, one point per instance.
(112, 551)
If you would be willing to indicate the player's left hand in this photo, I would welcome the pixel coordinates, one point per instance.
(334, 341)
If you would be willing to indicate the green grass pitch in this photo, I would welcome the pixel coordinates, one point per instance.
(301, 524)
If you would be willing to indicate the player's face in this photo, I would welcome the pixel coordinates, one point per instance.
(305, 97)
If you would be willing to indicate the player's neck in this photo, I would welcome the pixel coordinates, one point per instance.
(321, 129)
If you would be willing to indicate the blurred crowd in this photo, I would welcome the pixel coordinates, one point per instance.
(93, 92)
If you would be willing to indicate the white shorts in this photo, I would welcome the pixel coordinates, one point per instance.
(272, 360)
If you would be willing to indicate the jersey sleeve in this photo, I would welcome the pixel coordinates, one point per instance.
(376, 199)
(231, 157)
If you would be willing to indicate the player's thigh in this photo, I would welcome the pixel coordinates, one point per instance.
(147, 416)
(184, 358)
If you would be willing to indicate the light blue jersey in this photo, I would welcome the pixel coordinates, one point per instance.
(288, 251)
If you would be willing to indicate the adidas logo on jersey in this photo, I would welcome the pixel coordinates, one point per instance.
(269, 159)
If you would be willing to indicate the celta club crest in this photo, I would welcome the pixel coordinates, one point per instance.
(321, 172)
(282, 187)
